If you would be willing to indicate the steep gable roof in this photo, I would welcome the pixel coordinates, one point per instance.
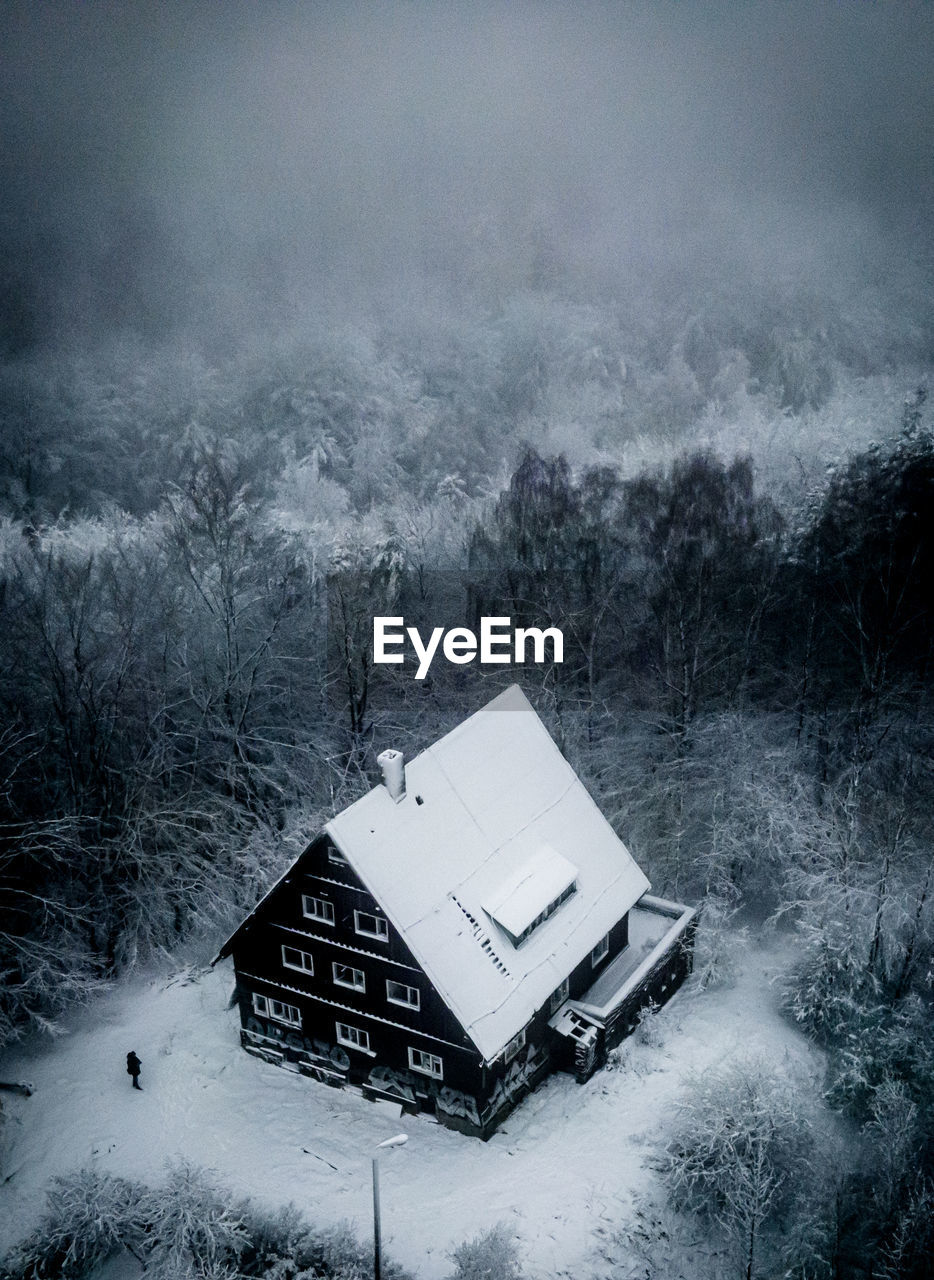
(495, 827)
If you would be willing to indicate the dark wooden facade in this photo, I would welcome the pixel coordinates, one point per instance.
(328, 987)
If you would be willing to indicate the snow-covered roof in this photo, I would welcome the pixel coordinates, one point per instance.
(494, 826)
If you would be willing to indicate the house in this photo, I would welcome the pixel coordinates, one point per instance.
(465, 927)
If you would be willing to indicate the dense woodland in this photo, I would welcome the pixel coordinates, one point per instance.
(615, 317)
(190, 559)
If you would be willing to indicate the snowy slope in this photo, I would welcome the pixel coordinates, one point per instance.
(570, 1164)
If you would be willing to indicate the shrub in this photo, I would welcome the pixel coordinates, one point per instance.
(492, 1255)
(91, 1216)
(188, 1229)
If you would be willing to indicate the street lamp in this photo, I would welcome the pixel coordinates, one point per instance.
(398, 1141)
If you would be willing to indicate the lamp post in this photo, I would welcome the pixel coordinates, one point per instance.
(399, 1140)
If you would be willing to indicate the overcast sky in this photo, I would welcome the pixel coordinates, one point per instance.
(209, 153)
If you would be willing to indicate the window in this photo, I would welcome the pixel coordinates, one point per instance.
(547, 913)
(336, 858)
(399, 993)
(352, 1037)
(292, 958)
(515, 1044)
(600, 951)
(558, 996)
(346, 976)
(429, 1064)
(530, 893)
(318, 909)
(276, 1009)
(371, 926)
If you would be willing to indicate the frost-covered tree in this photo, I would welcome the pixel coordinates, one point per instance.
(490, 1255)
(739, 1155)
(859, 586)
(187, 1228)
(708, 548)
(192, 1228)
(160, 686)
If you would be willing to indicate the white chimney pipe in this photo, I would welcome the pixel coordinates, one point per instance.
(392, 764)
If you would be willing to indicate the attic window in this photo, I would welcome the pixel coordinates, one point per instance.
(292, 958)
(532, 894)
(317, 909)
(336, 858)
(370, 926)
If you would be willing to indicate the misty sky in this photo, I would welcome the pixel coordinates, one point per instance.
(175, 161)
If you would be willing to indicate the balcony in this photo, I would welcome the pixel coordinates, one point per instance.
(649, 970)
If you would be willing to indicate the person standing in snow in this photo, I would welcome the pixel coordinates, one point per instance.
(133, 1066)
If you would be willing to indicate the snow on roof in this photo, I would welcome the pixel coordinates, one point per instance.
(494, 823)
(530, 890)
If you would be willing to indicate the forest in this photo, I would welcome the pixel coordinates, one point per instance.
(621, 326)
(188, 690)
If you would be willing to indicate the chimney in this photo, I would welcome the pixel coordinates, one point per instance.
(392, 764)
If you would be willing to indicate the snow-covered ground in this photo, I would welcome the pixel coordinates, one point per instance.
(569, 1167)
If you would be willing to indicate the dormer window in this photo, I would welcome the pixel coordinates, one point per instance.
(548, 911)
(532, 894)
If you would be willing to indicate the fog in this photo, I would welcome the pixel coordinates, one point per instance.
(608, 315)
(218, 169)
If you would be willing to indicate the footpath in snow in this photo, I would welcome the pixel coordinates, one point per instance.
(568, 1169)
